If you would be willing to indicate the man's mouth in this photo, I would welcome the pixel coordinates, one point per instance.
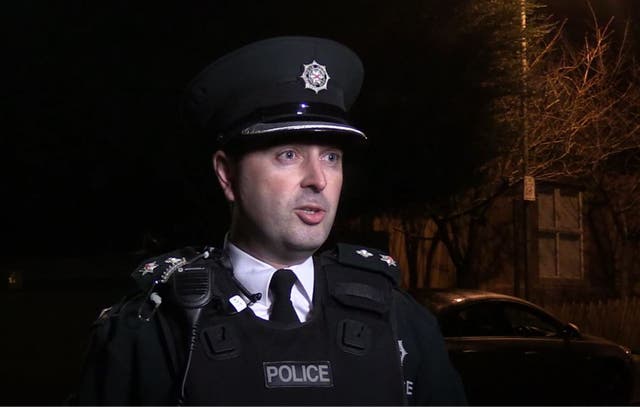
(311, 215)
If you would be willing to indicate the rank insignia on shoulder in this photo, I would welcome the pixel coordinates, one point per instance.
(368, 259)
(389, 260)
(158, 269)
(174, 260)
(148, 268)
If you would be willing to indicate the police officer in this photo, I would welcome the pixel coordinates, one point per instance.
(263, 320)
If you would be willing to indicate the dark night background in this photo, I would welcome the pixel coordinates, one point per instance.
(99, 172)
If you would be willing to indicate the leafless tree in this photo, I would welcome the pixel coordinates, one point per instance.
(583, 124)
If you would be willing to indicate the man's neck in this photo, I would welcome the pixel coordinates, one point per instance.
(262, 255)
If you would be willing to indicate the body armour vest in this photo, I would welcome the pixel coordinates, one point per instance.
(345, 353)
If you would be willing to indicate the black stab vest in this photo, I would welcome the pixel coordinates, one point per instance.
(346, 352)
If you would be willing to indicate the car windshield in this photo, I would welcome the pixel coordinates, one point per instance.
(496, 318)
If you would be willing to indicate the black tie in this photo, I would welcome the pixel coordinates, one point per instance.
(280, 287)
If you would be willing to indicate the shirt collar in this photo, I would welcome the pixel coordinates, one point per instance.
(255, 274)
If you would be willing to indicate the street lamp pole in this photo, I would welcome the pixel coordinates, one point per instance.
(528, 186)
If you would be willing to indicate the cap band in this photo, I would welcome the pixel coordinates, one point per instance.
(274, 97)
(266, 128)
(288, 117)
(292, 112)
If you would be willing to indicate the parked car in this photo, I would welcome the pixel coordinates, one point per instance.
(510, 351)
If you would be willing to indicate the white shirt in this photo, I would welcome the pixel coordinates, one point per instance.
(256, 275)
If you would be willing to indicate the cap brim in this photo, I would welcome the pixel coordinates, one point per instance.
(294, 127)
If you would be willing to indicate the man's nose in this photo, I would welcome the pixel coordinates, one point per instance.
(314, 176)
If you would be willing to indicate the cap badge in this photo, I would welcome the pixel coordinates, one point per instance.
(364, 253)
(148, 268)
(315, 76)
(388, 259)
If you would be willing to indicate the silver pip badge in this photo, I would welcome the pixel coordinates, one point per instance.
(315, 76)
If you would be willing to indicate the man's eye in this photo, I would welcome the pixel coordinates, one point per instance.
(332, 157)
(287, 155)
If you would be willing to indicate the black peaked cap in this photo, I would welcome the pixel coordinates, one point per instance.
(278, 87)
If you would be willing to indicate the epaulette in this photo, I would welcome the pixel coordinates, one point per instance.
(159, 268)
(368, 259)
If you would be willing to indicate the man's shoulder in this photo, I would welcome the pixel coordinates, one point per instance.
(408, 308)
(118, 326)
(364, 258)
(147, 277)
(127, 305)
(158, 269)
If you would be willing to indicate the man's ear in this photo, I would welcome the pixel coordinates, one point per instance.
(224, 168)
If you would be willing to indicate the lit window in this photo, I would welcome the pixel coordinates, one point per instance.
(560, 235)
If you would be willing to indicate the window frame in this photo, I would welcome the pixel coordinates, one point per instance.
(557, 232)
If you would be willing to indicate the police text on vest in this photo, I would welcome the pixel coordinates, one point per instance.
(408, 387)
(298, 374)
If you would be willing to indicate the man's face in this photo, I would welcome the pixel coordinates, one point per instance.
(285, 200)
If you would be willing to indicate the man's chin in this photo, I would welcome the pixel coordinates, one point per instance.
(307, 243)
